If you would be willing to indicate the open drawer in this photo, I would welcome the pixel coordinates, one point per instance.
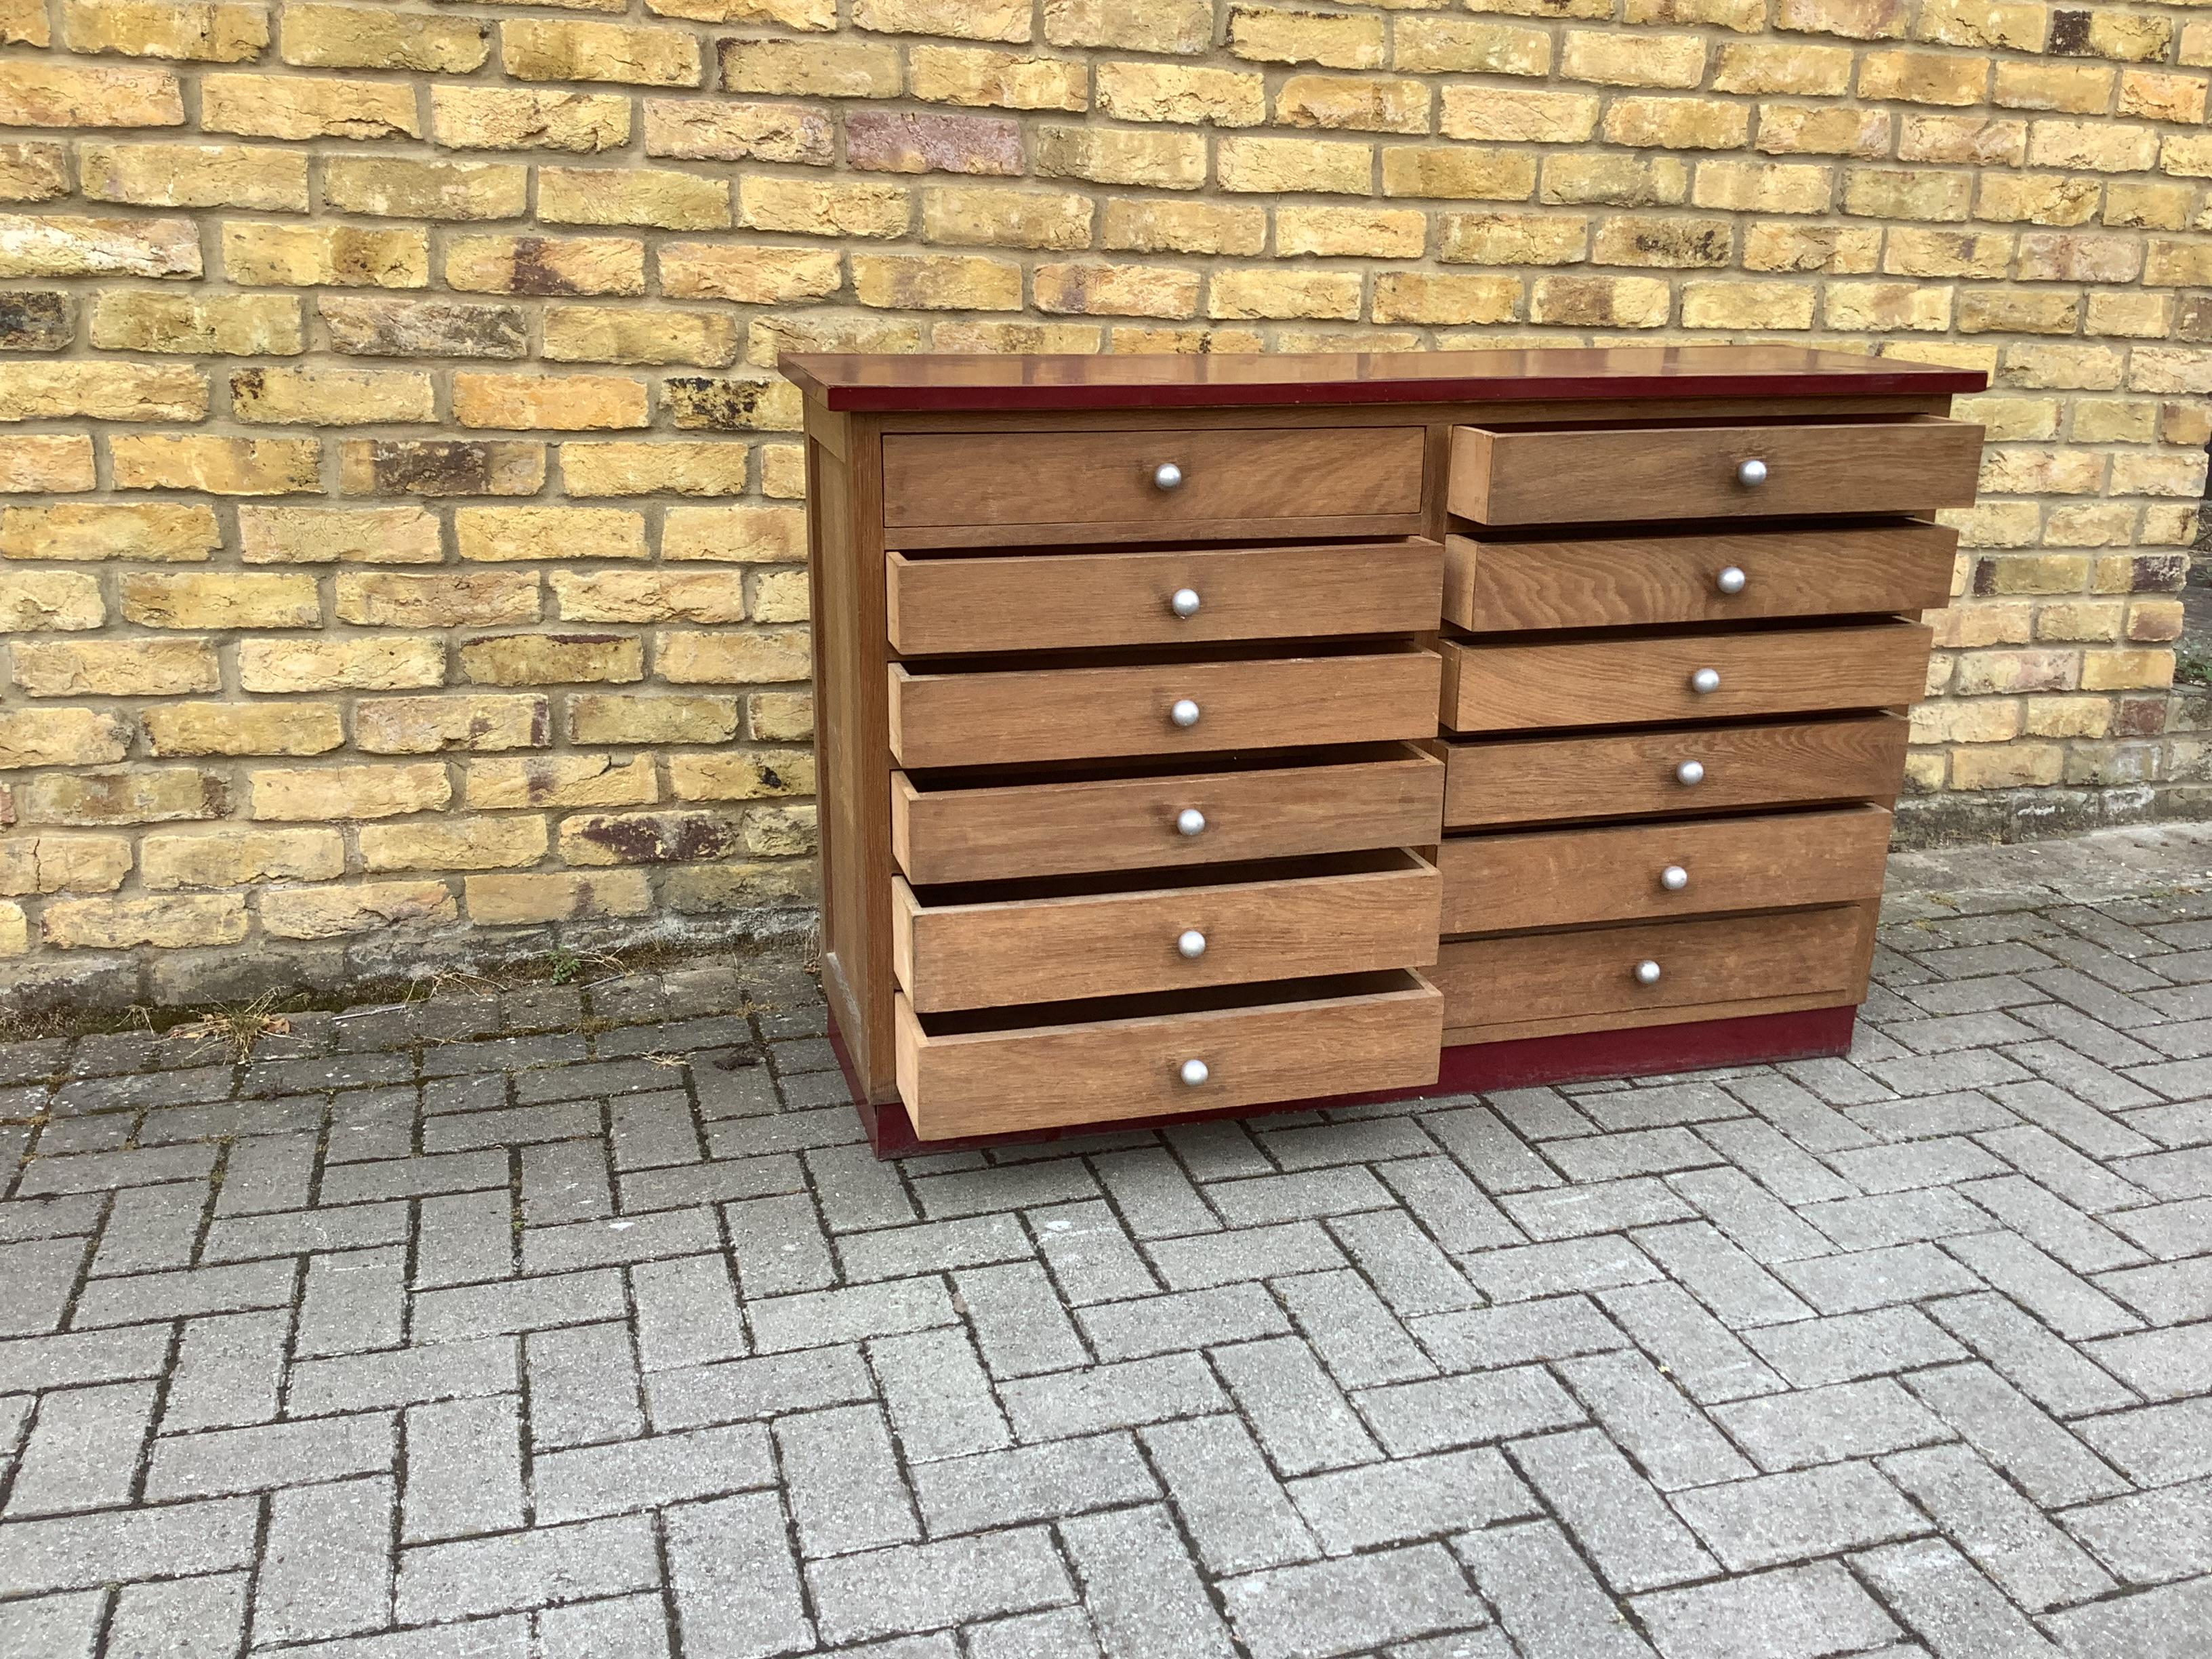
(969, 1074)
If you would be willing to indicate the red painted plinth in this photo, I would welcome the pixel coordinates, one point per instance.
(1471, 1068)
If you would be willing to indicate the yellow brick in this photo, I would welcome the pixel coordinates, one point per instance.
(705, 468)
(1463, 46)
(1983, 23)
(1457, 171)
(757, 656)
(825, 208)
(1813, 130)
(311, 912)
(1278, 165)
(1613, 58)
(120, 924)
(783, 466)
(2081, 88)
(979, 78)
(741, 777)
(40, 601)
(48, 464)
(607, 334)
(1164, 161)
(1664, 242)
(1976, 140)
(1357, 103)
(220, 599)
(38, 93)
(1601, 301)
(2140, 316)
(309, 256)
(330, 397)
(1974, 720)
(1155, 226)
(2093, 145)
(327, 793)
(475, 598)
(1856, 20)
(100, 392)
(369, 37)
(2095, 368)
(372, 664)
(819, 15)
(1746, 306)
(1771, 66)
(969, 20)
(1924, 77)
(230, 324)
(115, 668)
(74, 737)
(987, 217)
(1763, 187)
(1268, 34)
(1915, 252)
(430, 725)
(311, 535)
(1425, 297)
(650, 837)
(33, 244)
(551, 658)
(308, 106)
(1185, 94)
(2196, 48)
(194, 30)
(1615, 180)
(491, 534)
(1358, 232)
(568, 403)
(196, 175)
(936, 282)
(32, 172)
(599, 196)
(811, 69)
(2189, 157)
(467, 843)
(2069, 717)
(2063, 257)
(781, 596)
(2126, 671)
(218, 728)
(1678, 123)
(1906, 193)
(2093, 523)
(2179, 475)
(497, 901)
(221, 466)
(121, 795)
(152, 532)
(389, 187)
(2179, 98)
(2036, 198)
(2041, 471)
(234, 858)
(1879, 307)
(595, 717)
(63, 864)
(547, 50)
(569, 779)
(1744, 16)
(1115, 290)
(638, 596)
(731, 130)
(762, 535)
(1180, 26)
(1506, 115)
(1266, 292)
(1514, 239)
(527, 118)
(24, 23)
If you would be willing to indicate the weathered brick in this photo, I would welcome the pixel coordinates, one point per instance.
(307, 256)
(43, 93)
(114, 668)
(380, 664)
(429, 726)
(317, 36)
(387, 599)
(308, 106)
(46, 464)
(214, 729)
(228, 325)
(321, 794)
(222, 466)
(527, 118)
(261, 177)
(210, 30)
(550, 50)
(730, 130)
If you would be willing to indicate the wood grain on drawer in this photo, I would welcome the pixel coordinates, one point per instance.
(1633, 679)
(1566, 878)
(1595, 475)
(1104, 483)
(1064, 600)
(1065, 826)
(1009, 715)
(1497, 584)
(1348, 915)
(1641, 774)
(1280, 1043)
(1535, 984)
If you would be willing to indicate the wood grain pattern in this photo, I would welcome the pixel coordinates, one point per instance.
(1625, 1022)
(1511, 983)
(1364, 912)
(1640, 679)
(1764, 763)
(1004, 716)
(1048, 601)
(1496, 585)
(1601, 475)
(1106, 477)
(1568, 877)
(1063, 828)
(1101, 1071)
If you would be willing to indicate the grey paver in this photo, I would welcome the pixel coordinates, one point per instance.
(1776, 1518)
(1410, 1497)
(1238, 1516)
(843, 1478)
(922, 1587)
(543, 1567)
(1031, 1483)
(1546, 1597)
(1791, 1613)
(1617, 1516)
(326, 1563)
(2006, 1536)
(1942, 1598)
(1343, 1606)
(737, 1588)
(1142, 1592)
(465, 1469)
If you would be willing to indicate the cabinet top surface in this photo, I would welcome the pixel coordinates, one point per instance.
(955, 382)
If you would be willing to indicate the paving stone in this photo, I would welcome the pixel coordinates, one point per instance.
(2057, 1377)
(1647, 1417)
(1846, 1347)
(1410, 1497)
(1708, 1359)
(2171, 1622)
(842, 1477)
(565, 1181)
(2047, 1462)
(1207, 1260)
(1411, 1418)
(409, 1376)
(1018, 1323)
(302, 1232)
(1777, 1518)
(1877, 1278)
(779, 1246)
(1236, 1516)
(1600, 1207)
(1939, 1596)
(1301, 1418)
(1063, 1633)
(354, 1300)
(465, 1238)
(543, 1567)
(2006, 1536)
(1344, 1606)
(614, 1241)
(84, 1450)
(1569, 1265)
(817, 1318)
(229, 1371)
(1546, 1598)
(1188, 1319)
(2077, 1240)
(935, 1247)
(940, 1402)
(202, 1618)
(1623, 1526)
(1894, 1218)
(1405, 1268)
(650, 1473)
(2154, 1445)
(2168, 1365)
(1829, 1425)
(687, 1313)
(52, 1626)
(1734, 1286)
(521, 1304)
(69, 1552)
(1792, 1612)
(743, 1389)
(922, 1587)
(1358, 1339)
(182, 1295)
(736, 1586)
(1557, 1328)
(1498, 1159)
(41, 1274)
(326, 1564)
(2153, 1537)
(224, 1461)
(1453, 1209)
(1091, 1258)
(619, 1628)
(1031, 1483)
(465, 1470)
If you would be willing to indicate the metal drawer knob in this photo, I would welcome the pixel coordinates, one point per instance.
(1185, 712)
(1647, 972)
(1673, 878)
(1193, 1072)
(1705, 682)
(1730, 581)
(1168, 475)
(1750, 474)
(1191, 942)
(1185, 602)
(1690, 774)
(1190, 820)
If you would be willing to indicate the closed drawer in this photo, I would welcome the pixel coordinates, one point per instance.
(1700, 769)
(1526, 984)
(1360, 912)
(1062, 827)
(958, 1077)
(1598, 475)
(1010, 715)
(1497, 584)
(1631, 680)
(942, 489)
(1566, 877)
(1192, 595)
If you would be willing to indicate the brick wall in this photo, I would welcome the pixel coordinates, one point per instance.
(401, 558)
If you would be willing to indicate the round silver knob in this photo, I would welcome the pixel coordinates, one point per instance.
(1190, 820)
(1673, 878)
(1750, 474)
(1690, 774)
(1705, 682)
(1185, 712)
(1168, 475)
(1647, 972)
(1191, 942)
(1193, 1072)
(1185, 602)
(1730, 581)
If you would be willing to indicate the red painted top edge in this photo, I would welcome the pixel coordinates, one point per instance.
(970, 383)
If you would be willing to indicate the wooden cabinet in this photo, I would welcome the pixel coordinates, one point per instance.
(1213, 734)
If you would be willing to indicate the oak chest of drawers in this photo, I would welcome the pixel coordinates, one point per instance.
(1207, 734)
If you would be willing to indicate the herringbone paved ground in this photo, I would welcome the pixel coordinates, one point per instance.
(580, 1326)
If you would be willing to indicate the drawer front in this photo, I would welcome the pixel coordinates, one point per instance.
(1007, 716)
(1696, 769)
(1678, 576)
(999, 953)
(1646, 681)
(1614, 474)
(1067, 600)
(1295, 1048)
(1520, 985)
(944, 835)
(1567, 877)
(1135, 485)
